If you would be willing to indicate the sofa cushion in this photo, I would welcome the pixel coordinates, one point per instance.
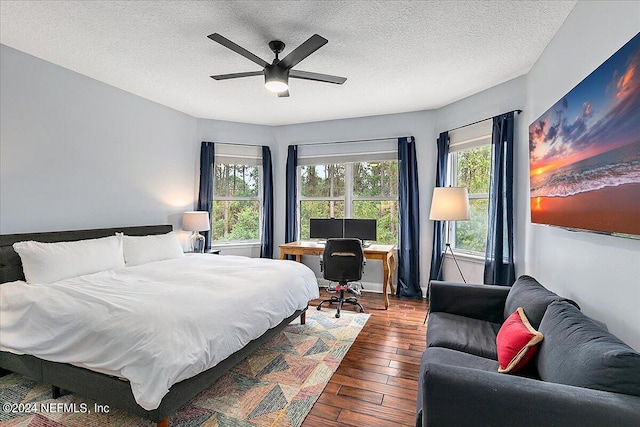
(534, 298)
(473, 336)
(578, 352)
(447, 356)
(516, 342)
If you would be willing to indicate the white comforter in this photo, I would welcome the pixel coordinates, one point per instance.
(154, 324)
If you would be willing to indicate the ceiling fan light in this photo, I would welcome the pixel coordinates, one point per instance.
(276, 79)
(275, 85)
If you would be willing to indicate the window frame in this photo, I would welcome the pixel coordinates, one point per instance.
(467, 138)
(236, 155)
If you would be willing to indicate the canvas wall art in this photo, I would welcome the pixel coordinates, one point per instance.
(584, 152)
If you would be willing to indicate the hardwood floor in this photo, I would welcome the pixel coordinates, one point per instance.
(377, 381)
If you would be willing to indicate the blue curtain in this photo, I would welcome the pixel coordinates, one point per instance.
(438, 226)
(291, 230)
(205, 193)
(499, 267)
(266, 245)
(409, 219)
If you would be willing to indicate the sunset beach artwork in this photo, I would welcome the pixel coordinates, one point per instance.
(584, 152)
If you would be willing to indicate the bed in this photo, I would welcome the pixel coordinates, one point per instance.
(210, 281)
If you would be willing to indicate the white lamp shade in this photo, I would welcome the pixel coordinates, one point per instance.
(450, 204)
(196, 221)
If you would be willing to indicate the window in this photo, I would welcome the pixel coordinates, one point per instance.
(322, 193)
(360, 190)
(470, 166)
(237, 195)
(375, 196)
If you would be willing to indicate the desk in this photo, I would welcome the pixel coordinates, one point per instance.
(382, 252)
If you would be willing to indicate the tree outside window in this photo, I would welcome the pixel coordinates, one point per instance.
(322, 193)
(375, 196)
(471, 168)
(237, 203)
(360, 190)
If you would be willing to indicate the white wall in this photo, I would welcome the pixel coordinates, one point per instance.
(234, 132)
(76, 153)
(601, 273)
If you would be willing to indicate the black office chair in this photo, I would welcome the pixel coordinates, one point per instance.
(342, 262)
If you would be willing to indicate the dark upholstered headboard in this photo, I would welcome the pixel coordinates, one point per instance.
(11, 266)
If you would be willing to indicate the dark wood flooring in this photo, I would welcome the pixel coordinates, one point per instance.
(377, 381)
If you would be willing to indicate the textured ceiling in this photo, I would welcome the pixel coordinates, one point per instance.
(397, 55)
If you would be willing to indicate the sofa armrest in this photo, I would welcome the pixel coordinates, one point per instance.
(484, 302)
(455, 396)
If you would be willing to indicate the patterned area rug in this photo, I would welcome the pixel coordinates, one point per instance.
(275, 386)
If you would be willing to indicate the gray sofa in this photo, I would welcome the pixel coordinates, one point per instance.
(581, 375)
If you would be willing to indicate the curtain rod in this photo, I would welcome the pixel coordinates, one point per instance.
(238, 143)
(353, 140)
(315, 143)
(488, 118)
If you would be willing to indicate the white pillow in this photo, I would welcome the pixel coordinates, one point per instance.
(156, 247)
(50, 262)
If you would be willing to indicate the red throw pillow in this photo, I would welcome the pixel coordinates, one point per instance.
(517, 342)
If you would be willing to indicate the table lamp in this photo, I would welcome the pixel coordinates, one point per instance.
(196, 221)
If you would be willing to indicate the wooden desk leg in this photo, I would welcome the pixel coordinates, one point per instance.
(392, 261)
(283, 255)
(385, 282)
(299, 258)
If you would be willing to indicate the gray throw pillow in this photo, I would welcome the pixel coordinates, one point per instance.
(534, 298)
(576, 351)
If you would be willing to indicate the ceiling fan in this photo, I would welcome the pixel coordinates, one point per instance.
(276, 74)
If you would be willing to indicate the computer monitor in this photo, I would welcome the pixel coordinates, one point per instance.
(322, 228)
(363, 229)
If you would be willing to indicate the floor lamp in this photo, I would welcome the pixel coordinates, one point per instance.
(449, 204)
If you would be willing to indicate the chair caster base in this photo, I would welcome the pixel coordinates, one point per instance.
(340, 301)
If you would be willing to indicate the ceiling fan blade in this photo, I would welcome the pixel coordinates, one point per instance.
(312, 44)
(238, 49)
(237, 75)
(306, 75)
(284, 94)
